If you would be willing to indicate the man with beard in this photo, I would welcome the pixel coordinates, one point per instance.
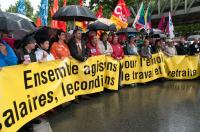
(77, 46)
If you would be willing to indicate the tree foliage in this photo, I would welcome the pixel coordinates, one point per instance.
(28, 10)
(108, 7)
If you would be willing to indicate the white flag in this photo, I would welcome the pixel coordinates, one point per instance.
(171, 27)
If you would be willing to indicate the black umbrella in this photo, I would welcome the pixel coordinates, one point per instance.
(12, 22)
(127, 30)
(74, 13)
(42, 33)
(113, 28)
(152, 31)
(98, 26)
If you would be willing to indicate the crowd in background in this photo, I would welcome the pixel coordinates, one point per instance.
(81, 46)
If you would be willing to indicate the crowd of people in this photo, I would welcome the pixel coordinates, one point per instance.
(82, 46)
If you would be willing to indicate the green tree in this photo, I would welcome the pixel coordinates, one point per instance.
(28, 6)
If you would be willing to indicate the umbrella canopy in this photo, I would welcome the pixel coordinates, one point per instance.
(40, 34)
(105, 21)
(113, 28)
(127, 30)
(74, 13)
(102, 24)
(98, 26)
(153, 31)
(12, 22)
(156, 31)
(19, 34)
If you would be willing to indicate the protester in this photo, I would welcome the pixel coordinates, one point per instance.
(77, 46)
(93, 49)
(131, 48)
(182, 47)
(92, 33)
(43, 53)
(145, 50)
(9, 40)
(170, 49)
(7, 55)
(104, 46)
(194, 48)
(109, 37)
(59, 49)
(26, 54)
(123, 40)
(158, 47)
(68, 36)
(118, 51)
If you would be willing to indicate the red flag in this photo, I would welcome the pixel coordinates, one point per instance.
(65, 3)
(57, 24)
(121, 11)
(38, 22)
(161, 24)
(99, 13)
(120, 15)
(81, 2)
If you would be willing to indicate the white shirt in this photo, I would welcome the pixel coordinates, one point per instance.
(102, 49)
(39, 55)
(171, 51)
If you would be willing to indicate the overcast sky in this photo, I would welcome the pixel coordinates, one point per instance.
(6, 3)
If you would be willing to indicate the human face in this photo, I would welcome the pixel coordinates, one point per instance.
(78, 35)
(45, 45)
(31, 46)
(62, 36)
(115, 40)
(109, 38)
(92, 33)
(132, 40)
(182, 40)
(195, 41)
(94, 40)
(146, 43)
(171, 43)
(68, 36)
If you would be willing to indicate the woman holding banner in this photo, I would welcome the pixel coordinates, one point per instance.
(104, 46)
(93, 49)
(118, 51)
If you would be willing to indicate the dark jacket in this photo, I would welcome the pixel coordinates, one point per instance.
(182, 49)
(193, 49)
(74, 50)
(22, 52)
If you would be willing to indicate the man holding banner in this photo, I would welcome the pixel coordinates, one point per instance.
(78, 47)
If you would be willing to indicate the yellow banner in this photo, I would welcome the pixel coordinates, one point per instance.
(182, 67)
(136, 69)
(29, 91)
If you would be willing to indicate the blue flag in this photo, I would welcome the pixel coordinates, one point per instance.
(44, 12)
(21, 7)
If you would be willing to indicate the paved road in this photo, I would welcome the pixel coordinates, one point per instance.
(172, 106)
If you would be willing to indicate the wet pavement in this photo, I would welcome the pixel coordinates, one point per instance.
(169, 106)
